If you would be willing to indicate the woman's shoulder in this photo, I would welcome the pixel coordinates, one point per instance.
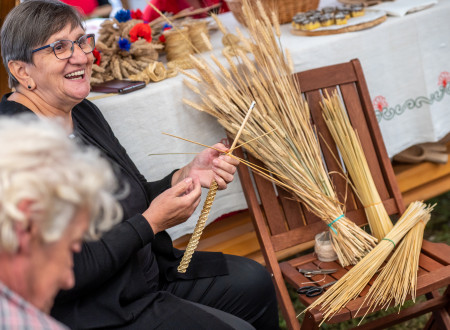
(10, 108)
(88, 115)
(86, 110)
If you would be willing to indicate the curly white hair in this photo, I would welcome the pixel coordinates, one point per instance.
(39, 163)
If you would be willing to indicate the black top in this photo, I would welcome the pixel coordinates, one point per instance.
(117, 276)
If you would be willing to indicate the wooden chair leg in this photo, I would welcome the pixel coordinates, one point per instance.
(440, 319)
(284, 300)
(309, 323)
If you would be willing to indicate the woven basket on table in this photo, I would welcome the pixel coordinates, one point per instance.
(286, 9)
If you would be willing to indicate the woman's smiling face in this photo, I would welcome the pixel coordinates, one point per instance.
(61, 83)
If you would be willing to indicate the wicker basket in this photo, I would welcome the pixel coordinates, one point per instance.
(286, 8)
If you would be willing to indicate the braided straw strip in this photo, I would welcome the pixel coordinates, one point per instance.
(193, 241)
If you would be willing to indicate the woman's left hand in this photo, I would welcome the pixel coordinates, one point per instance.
(211, 164)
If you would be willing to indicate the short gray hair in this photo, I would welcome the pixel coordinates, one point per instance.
(38, 162)
(29, 25)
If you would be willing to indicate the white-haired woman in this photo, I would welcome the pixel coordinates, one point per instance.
(52, 194)
(129, 278)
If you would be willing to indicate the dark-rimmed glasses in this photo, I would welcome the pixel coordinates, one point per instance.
(63, 49)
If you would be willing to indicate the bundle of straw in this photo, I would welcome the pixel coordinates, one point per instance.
(398, 279)
(353, 282)
(355, 162)
(292, 149)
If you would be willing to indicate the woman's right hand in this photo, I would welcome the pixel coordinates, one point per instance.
(174, 206)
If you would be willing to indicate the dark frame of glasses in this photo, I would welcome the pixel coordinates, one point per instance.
(52, 45)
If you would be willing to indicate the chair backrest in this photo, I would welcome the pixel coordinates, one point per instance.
(286, 223)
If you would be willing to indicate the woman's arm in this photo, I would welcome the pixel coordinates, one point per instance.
(100, 260)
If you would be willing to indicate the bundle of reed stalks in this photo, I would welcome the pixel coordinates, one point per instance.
(349, 145)
(398, 278)
(353, 282)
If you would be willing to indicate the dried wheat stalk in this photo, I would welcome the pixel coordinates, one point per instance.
(292, 150)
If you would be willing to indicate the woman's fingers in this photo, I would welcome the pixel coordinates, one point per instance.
(175, 205)
(221, 184)
(224, 169)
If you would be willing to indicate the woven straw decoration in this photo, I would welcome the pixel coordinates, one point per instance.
(193, 241)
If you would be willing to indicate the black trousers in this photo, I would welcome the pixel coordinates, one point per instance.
(224, 302)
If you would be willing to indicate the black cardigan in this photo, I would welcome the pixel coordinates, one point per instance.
(116, 277)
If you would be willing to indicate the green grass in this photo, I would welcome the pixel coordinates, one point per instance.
(437, 230)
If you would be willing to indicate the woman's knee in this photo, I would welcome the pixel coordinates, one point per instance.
(250, 276)
(254, 286)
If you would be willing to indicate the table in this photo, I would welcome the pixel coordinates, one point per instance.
(406, 65)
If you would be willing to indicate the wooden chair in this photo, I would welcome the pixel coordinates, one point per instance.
(283, 224)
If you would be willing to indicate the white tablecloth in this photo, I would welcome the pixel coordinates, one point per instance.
(406, 62)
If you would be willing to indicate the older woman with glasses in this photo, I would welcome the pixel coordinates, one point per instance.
(129, 278)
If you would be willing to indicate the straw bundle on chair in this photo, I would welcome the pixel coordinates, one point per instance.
(355, 162)
(399, 276)
(353, 282)
(292, 149)
(398, 279)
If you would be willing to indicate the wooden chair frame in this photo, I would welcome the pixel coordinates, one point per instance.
(284, 225)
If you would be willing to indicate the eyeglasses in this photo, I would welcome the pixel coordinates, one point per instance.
(63, 49)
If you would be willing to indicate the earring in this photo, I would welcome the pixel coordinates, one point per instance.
(29, 87)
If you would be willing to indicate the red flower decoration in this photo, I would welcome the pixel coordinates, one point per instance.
(444, 79)
(380, 103)
(136, 14)
(162, 37)
(97, 56)
(141, 30)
